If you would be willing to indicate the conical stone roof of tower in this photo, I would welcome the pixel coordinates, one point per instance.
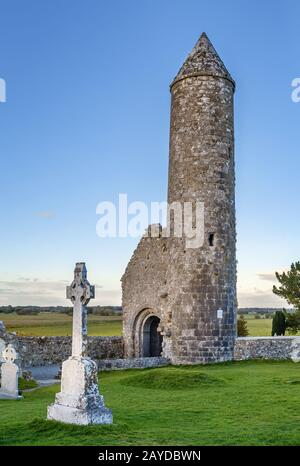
(203, 60)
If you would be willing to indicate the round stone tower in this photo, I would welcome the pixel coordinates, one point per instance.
(179, 296)
(201, 169)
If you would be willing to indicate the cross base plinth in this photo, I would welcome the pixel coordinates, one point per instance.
(79, 401)
(8, 396)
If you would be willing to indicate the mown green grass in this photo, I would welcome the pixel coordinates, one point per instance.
(26, 384)
(54, 324)
(259, 327)
(240, 403)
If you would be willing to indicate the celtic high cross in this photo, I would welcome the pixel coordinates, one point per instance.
(80, 292)
(9, 354)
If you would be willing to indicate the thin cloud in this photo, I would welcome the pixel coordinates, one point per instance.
(48, 293)
(270, 277)
(31, 292)
(32, 284)
(259, 298)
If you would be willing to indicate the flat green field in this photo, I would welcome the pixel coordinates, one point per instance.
(240, 403)
(52, 324)
(259, 327)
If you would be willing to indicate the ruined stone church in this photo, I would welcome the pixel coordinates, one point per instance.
(180, 302)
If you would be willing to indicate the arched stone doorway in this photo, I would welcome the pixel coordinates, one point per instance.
(152, 339)
(147, 339)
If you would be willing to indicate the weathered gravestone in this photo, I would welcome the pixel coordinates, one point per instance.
(295, 350)
(9, 374)
(2, 348)
(79, 401)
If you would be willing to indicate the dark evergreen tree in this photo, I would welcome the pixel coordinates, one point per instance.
(289, 289)
(278, 323)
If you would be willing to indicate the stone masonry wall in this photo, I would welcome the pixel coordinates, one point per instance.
(202, 152)
(109, 352)
(145, 288)
(36, 351)
(265, 347)
(132, 363)
(40, 351)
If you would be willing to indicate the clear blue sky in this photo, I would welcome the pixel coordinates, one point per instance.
(87, 117)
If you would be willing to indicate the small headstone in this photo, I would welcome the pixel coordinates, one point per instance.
(2, 348)
(295, 350)
(79, 401)
(9, 374)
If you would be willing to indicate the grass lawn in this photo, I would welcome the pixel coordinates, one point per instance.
(51, 324)
(239, 403)
(259, 327)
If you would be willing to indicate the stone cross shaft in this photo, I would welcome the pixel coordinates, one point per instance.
(80, 292)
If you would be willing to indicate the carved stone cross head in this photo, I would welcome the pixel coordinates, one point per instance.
(80, 291)
(9, 354)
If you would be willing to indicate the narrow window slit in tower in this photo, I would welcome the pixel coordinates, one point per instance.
(211, 238)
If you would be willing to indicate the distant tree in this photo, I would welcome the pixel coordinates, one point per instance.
(278, 323)
(27, 311)
(242, 329)
(68, 311)
(289, 289)
(292, 323)
(257, 316)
